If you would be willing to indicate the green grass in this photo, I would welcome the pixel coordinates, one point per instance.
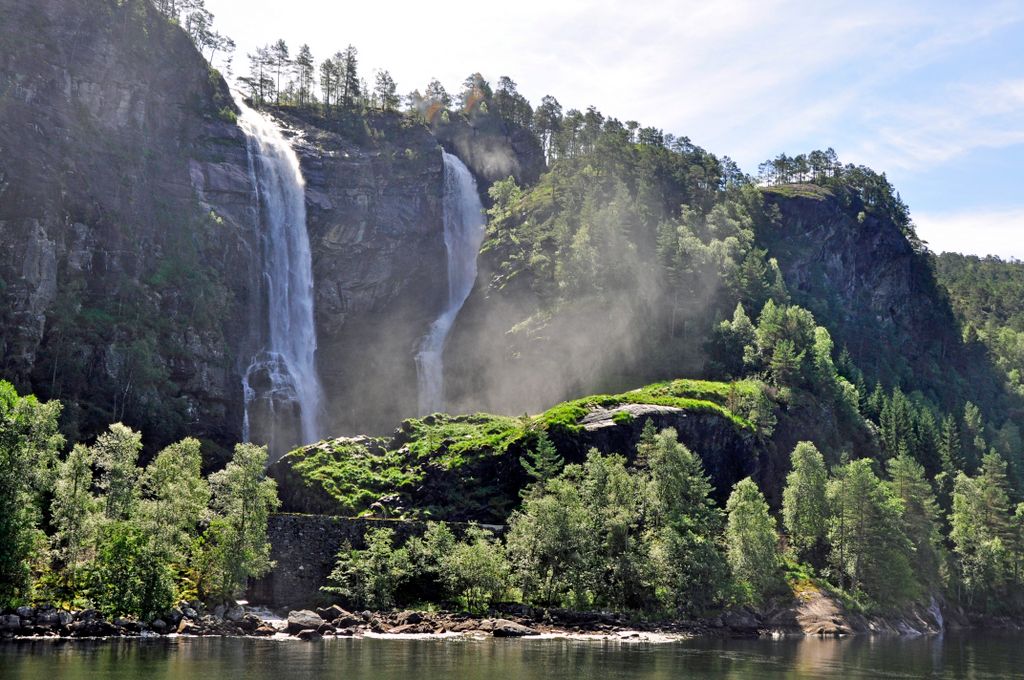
(459, 454)
(799, 191)
(699, 396)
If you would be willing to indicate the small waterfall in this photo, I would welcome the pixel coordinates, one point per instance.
(463, 235)
(283, 397)
(936, 612)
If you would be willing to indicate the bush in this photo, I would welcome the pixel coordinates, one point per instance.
(371, 577)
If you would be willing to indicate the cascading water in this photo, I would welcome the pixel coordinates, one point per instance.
(463, 235)
(283, 397)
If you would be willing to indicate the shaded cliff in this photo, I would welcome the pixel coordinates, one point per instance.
(123, 203)
(130, 263)
(878, 295)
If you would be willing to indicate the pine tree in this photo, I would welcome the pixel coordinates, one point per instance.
(304, 73)
(280, 60)
(646, 445)
(920, 514)
(974, 445)
(349, 77)
(543, 461)
(385, 91)
(870, 551)
(995, 495)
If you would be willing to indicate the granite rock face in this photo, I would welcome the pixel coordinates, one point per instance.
(877, 293)
(124, 229)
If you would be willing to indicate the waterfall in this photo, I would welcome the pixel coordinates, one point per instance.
(283, 397)
(463, 235)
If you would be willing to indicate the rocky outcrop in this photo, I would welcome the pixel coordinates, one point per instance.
(187, 618)
(865, 281)
(727, 453)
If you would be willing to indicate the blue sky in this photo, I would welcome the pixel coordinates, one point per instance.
(931, 92)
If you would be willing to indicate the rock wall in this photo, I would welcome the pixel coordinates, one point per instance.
(124, 237)
(304, 548)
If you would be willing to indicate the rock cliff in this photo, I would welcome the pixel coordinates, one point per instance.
(125, 245)
(864, 280)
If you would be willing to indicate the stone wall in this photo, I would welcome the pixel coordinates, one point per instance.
(304, 547)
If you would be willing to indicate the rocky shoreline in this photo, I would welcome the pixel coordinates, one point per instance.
(193, 619)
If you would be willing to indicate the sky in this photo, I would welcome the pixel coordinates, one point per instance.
(930, 92)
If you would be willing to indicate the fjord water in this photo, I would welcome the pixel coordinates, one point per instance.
(463, 235)
(283, 396)
(976, 656)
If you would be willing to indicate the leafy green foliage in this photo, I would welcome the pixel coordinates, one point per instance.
(987, 295)
(29, 442)
(243, 498)
(751, 540)
(870, 552)
(804, 504)
(371, 577)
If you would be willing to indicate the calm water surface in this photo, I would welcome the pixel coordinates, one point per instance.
(462, 659)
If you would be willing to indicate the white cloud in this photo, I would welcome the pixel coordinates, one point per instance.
(963, 118)
(992, 232)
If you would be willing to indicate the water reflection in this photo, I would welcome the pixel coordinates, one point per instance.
(193, 659)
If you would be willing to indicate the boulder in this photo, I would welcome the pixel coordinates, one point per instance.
(250, 622)
(127, 625)
(48, 619)
(413, 628)
(219, 611)
(235, 613)
(347, 620)
(309, 635)
(173, 616)
(303, 619)
(332, 612)
(187, 627)
(64, 618)
(159, 626)
(506, 628)
(264, 631)
(325, 629)
(741, 622)
(10, 622)
(408, 617)
(26, 612)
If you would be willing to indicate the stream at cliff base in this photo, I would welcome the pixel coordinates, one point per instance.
(952, 656)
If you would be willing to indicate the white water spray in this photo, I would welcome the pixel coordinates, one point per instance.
(283, 397)
(463, 235)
